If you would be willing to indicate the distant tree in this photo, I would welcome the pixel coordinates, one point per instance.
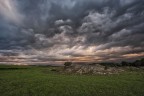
(92, 63)
(114, 64)
(142, 59)
(67, 64)
(124, 63)
(137, 63)
(131, 64)
(142, 62)
(119, 64)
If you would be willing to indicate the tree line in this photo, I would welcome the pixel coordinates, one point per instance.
(136, 63)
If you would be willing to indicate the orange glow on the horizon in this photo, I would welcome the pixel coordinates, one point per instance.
(133, 55)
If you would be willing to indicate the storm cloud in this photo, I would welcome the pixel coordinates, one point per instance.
(80, 30)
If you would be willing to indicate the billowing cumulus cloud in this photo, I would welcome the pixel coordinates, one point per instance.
(55, 31)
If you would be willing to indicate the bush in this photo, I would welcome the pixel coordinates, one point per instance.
(53, 70)
(124, 63)
(142, 62)
(106, 67)
(137, 63)
(67, 64)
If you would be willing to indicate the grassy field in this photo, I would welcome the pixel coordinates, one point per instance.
(40, 81)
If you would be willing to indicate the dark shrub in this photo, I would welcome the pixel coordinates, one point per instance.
(137, 63)
(67, 64)
(142, 62)
(106, 67)
(124, 63)
(54, 70)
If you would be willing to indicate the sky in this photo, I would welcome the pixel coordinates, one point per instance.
(56, 31)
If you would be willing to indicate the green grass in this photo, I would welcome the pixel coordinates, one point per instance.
(40, 81)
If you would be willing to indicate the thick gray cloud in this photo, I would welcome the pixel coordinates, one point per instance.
(76, 28)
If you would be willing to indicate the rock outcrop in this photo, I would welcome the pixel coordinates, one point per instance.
(92, 69)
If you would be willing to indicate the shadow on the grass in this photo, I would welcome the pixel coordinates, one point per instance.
(12, 68)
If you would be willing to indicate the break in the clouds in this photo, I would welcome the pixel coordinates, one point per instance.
(80, 30)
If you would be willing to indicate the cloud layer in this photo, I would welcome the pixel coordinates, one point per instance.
(81, 30)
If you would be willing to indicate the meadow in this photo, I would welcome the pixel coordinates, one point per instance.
(41, 81)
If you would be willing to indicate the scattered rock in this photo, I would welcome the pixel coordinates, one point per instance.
(92, 69)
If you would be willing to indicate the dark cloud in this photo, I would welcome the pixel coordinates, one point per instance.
(71, 27)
